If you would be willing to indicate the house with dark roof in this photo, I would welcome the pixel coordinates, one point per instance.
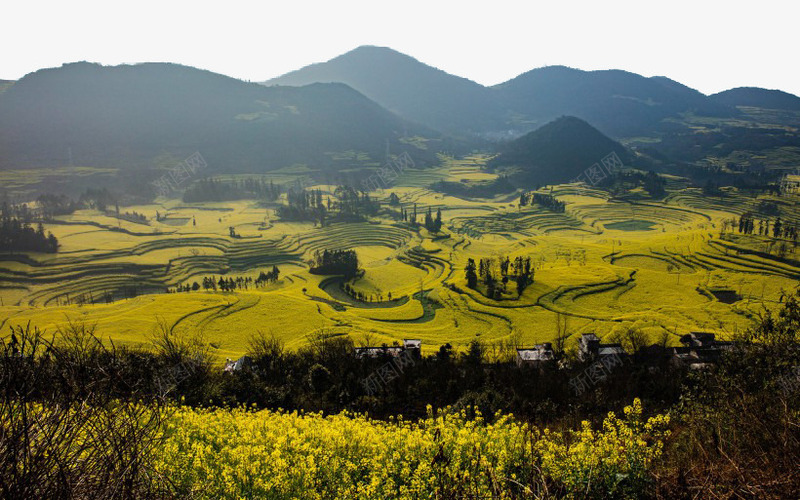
(413, 346)
(700, 350)
(537, 355)
(590, 347)
(238, 365)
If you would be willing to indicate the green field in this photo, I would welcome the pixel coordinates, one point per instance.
(605, 264)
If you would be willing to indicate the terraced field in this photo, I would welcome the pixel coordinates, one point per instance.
(606, 265)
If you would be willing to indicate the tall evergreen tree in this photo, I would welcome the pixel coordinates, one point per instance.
(472, 278)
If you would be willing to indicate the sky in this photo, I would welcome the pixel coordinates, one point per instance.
(708, 45)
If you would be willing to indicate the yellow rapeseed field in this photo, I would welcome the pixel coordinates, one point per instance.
(606, 265)
(240, 453)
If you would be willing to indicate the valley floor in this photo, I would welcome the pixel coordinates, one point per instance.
(606, 265)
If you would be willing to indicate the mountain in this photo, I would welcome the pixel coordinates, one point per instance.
(410, 88)
(138, 116)
(559, 151)
(619, 103)
(758, 98)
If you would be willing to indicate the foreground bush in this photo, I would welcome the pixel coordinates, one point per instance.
(263, 454)
(64, 433)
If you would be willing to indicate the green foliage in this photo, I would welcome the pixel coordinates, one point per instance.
(740, 423)
(16, 236)
(343, 262)
(211, 189)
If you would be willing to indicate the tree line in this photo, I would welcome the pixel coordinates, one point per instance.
(488, 189)
(229, 284)
(432, 223)
(19, 236)
(365, 297)
(780, 229)
(49, 205)
(347, 205)
(548, 201)
(212, 189)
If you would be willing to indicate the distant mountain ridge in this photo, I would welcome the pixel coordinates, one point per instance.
(618, 103)
(147, 117)
(758, 98)
(133, 116)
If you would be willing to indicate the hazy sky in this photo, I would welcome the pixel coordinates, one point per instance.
(708, 45)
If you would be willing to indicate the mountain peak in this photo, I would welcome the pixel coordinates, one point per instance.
(412, 89)
(558, 151)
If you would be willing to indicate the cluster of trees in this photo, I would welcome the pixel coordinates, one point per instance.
(622, 181)
(269, 277)
(548, 201)
(22, 212)
(488, 189)
(654, 184)
(304, 205)
(224, 284)
(779, 229)
(131, 216)
(432, 223)
(98, 199)
(229, 284)
(343, 262)
(211, 189)
(353, 203)
(365, 297)
(48, 206)
(495, 275)
(348, 204)
(409, 217)
(51, 205)
(186, 287)
(20, 236)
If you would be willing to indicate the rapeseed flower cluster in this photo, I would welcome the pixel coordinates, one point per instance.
(241, 453)
(613, 462)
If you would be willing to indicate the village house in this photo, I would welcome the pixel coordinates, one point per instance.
(412, 346)
(699, 350)
(238, 365)
(538, 354)
(589, 348)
